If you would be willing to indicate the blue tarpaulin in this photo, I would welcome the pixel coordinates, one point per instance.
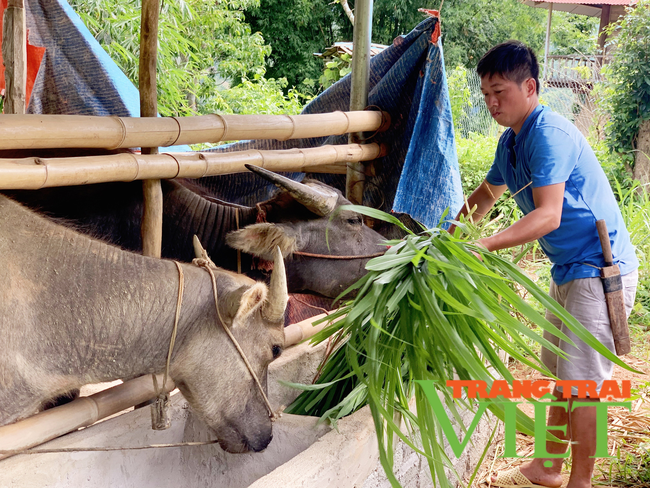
(419, 175)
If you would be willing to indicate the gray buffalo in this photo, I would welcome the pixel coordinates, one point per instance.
(300, 218)
(74, 310)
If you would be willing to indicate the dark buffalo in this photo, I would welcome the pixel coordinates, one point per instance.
(74, 310)
(301, 217)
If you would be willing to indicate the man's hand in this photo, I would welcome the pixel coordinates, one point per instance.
(479, 244)
(484, 198)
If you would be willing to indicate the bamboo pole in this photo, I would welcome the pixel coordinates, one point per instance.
(362, 38)
(81, 131)
(84, 411)
(152, 217)
(14, 54)
(35, 173)
(300, 331)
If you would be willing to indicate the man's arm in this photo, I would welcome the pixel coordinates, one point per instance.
(484, 197)
(544, 219)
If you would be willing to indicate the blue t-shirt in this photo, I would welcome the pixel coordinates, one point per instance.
(549, 150)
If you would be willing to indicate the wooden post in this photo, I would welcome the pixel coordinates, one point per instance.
(548, 41)
(14, 54)
(153, 200)
(361, 40)
(602, 35)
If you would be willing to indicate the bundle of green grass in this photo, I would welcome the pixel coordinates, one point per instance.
(429, 309)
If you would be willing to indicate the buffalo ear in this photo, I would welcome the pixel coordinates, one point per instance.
(261, 240)
(242, 302)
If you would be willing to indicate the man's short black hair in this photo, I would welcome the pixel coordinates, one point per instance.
(512, 60)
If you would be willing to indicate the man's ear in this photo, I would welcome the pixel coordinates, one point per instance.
(531, 87)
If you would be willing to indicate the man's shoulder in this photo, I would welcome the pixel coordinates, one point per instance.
(552, 123)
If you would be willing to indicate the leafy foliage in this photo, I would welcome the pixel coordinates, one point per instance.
(472, 27)
(634, 202)
(296, 29)
(429, 310)
(628, 101)
(263, 96)
(459, 95)
(335, 69)
(475, 156)
(203, 48)
(573, 34)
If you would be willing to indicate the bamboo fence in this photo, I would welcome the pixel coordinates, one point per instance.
(35, 173)
(19, 131)
(79, 131)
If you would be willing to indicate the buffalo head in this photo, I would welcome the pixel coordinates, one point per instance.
(211, 373)
(303, 217)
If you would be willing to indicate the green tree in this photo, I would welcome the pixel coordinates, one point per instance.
(472, 27)
(204, 48)
(573, 34)
(296, 29)
(628, 78)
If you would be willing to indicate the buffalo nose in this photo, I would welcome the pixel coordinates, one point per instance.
(260, 443)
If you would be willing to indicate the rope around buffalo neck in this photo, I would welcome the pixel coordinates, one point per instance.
(160, 393)
(206, 263)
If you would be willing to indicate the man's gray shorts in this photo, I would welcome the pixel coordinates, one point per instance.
(585, 300)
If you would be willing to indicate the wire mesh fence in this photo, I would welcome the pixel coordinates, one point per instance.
(570, 86)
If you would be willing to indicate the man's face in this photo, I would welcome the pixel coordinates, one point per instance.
(508, 102)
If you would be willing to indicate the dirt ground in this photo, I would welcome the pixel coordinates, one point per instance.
(627, 430)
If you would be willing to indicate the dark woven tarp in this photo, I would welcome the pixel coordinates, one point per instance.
(418, 176)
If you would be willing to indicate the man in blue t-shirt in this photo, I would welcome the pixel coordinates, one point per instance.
(557, 182)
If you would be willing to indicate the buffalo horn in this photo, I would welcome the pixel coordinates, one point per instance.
(198, 248)
(319, 200)
(201, 253)
(278, 295)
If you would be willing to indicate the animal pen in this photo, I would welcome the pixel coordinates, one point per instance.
(399, 155)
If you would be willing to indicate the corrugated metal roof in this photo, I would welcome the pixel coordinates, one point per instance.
(587, 2)
(346, 48)
(580, 7)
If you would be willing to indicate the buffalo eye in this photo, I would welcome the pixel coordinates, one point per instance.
(277, 350)
(355, 221)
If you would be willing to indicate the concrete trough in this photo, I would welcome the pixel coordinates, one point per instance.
(303, 452)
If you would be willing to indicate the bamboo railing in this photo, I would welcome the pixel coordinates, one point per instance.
(35, 173)
(79, 131)
(82, 412)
